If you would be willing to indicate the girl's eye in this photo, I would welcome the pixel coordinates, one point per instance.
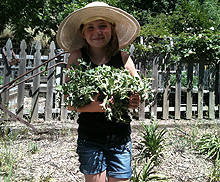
(103, 26)
(90, 27)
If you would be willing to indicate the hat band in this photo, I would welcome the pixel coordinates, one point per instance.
(94, 18)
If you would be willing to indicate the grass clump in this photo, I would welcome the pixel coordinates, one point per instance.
(7, 162)
(152, 146)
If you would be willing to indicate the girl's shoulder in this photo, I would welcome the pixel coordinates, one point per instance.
(128, 63)
(74, 57)
(124, 56)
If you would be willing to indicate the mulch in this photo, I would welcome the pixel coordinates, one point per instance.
(56, 159)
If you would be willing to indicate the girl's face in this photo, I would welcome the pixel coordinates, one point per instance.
(97, 33)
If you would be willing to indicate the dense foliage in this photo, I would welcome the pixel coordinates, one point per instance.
(190, 31)
(25, 19)
(85, 82)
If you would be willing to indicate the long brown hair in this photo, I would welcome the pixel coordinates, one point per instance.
(113, 45)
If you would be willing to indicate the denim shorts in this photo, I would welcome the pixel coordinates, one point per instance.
(115, 158)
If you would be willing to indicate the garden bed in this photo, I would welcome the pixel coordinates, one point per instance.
(52, 156)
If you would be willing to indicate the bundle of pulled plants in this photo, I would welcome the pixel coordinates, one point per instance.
(85, 82)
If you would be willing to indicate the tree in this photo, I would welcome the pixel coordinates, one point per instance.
(159, 17)
(36, 15)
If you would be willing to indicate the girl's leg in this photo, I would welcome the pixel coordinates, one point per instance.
(110, 179)
(96, 177)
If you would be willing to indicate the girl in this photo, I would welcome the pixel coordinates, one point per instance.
(95, 34)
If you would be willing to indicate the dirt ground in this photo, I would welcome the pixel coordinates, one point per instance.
(55, 159)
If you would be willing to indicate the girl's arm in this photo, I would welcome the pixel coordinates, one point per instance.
(135, 100)
(94, 106)
(129, 64)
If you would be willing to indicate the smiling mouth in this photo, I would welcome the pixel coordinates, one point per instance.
(99, 38)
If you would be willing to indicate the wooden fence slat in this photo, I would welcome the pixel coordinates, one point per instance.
(21, 87)
(139, 66)
(7, 72)
(63, 110)
(166, 89)
(59, 77)
(141, 114)
(201, 88)
(36, 84)
(155, 86)
(212, 74)
(217, 89)
(178, 90)
(50, 85)
(189, 94)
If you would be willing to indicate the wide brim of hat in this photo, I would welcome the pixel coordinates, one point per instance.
(69, 37)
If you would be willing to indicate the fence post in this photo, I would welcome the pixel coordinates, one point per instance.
(217, 89)
(7, 72)
(178, 90)
(166, 88)
(155, 86)
(50, 85)
(189, 94)
(36, 83)
(63, 110)
(21, 87)
(212, 74)
(201, 88)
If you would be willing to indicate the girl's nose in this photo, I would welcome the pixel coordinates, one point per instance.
(98, 31)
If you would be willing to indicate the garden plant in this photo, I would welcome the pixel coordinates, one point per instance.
(85, 82)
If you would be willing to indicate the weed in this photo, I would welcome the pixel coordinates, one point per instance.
(10, 173)
(32, 148)
(152, 139)
(47, 178)
(147, 173)
(214, 175)
(209, 145)
(6, 162)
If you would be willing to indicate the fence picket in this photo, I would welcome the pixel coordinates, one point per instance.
(212, 75)
(189, 94)
(155, 86)
(201, 88)
(142, 105)
(166, 88)
(63, 110)
(178, 90)
(50, 85)
(36, 84)
(7, 71)
(21, 87)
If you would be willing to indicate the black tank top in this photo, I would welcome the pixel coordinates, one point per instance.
(95, 126)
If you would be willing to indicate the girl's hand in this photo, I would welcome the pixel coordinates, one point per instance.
(94, 106)
(134, 101)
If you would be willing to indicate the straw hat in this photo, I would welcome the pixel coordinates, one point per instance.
(69, 37)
